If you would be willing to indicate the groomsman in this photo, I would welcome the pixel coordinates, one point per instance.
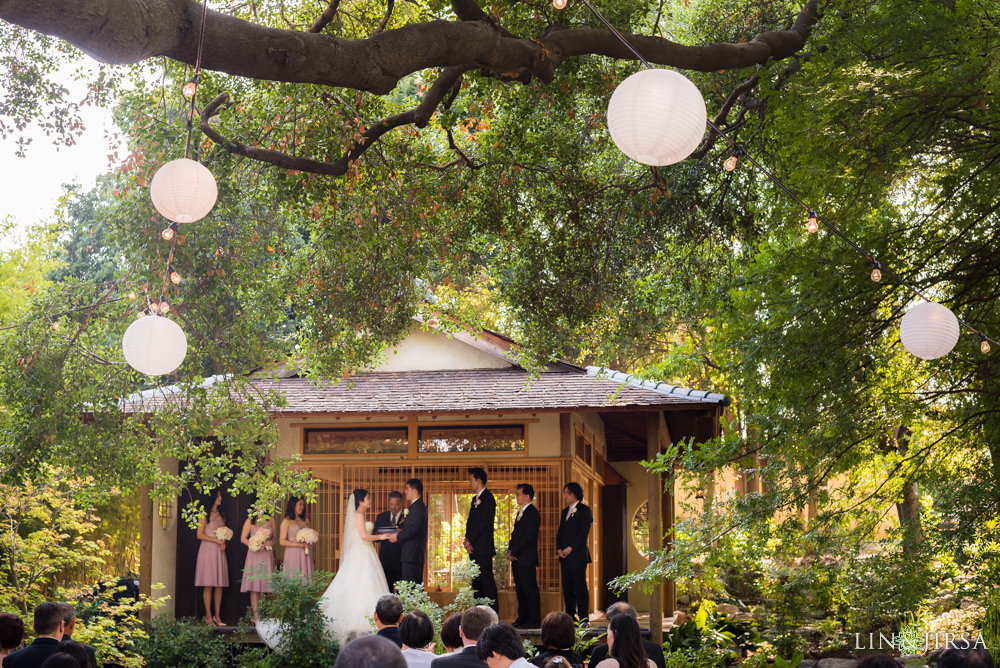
(574, 552)
(522, 553)
(479, 536)
(390, 554)
(413, 535)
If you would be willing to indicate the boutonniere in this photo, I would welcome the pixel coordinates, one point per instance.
(406, 511)
(572, 512)
(476, 504)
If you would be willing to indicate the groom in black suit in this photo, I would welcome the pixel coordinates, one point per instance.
(390, 554)
(479, 536)
(574, 551)
(522, 553)
(413, 535)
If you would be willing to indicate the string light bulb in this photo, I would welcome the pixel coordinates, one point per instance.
(131, 296)
(812, 222)
(560, 4)
(164, 304)
(142, 314)
(154, 307)
(169, 233)
(191, 87)
(700, 494)
(175, 278)
(984, 344)
(730, 163)
(876, 271)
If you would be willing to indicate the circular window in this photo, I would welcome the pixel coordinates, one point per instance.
(640, 530)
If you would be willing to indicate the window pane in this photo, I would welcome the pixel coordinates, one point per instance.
(472, 439)
(354, 441)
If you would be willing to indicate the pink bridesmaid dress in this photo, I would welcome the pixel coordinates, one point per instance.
(212, 570)
(258, 564)
(296, 557)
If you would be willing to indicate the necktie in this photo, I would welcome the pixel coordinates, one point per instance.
(394, 520)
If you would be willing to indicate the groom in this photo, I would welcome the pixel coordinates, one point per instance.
(413, 535)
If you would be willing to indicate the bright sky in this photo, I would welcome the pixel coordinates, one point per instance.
(32, 185)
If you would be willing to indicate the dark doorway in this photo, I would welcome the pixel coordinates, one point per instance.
(617, 534)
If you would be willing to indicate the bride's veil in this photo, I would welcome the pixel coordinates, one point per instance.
(351, 539)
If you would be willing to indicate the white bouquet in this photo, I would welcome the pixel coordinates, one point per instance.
(307, 536)
(258, 539)
(224, 533)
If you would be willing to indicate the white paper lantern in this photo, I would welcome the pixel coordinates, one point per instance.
(657, 117)
(929, 330)
(154, 345)
(183, 191)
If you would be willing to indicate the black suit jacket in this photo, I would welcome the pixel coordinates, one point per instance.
(653, 651)
(391, 633)
(388, 553)
(91, 654)
(467, 658)
(574, 533)
(33, 655)
(479, 527)
(413, 535)
(524, 538)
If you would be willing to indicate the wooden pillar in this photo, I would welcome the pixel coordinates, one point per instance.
(145, 545)
(669, 521)
(654, 507)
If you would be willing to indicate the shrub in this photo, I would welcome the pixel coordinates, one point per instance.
(170, 643)
(305, 641)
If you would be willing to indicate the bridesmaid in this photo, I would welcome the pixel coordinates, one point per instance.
(259, 565)
(212, 572)
(295, 552)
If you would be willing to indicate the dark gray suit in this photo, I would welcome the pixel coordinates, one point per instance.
(413, 537)
(467, 658)
(524, 546)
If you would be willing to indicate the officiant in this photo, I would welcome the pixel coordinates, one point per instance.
(391, 554)
(479, 536)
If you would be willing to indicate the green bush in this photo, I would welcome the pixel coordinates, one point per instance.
(170, 643)
(882, 589)
(729, 638)
(305, 641)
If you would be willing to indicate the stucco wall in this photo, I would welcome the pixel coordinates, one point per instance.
(164, 551)
(435, 351)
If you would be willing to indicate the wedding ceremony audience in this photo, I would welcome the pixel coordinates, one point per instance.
(78, 651)
(653, 650)
(558, 638)
(370, 652)
(963, 654)
(474, 622)
(625, 648)
(388, 614)
(450, 637)
(12, 633)
(49, 629)
(69, 625)
(500, 646)
(416, 631)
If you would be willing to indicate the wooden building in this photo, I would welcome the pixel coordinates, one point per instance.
(438, 405)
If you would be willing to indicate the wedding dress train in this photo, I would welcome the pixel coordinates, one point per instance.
(350, 599)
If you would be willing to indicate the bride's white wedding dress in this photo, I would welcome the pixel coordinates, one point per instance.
(350, 599)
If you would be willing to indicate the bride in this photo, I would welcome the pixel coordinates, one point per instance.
(350, 599)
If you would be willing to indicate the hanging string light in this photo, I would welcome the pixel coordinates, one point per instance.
(175, 278)
(927, 336)
(170, 232)
(191, 87)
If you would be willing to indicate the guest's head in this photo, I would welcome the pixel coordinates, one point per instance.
(557, 662)
(525, 494)
(212, 501)
(500, 645)
(11, 633)
(963, 654)
(625, 643)
(494, 617)
(474, 620)
(49, 620)
(416, 630)
(361, 499)
(77, 651)
(572, 493)
(69, 618)
(414, 489)
(61, 660)
(620, 608)
(295, 509)
(370, 652)
(395, 502)
(878, 661)
(450, 637)
(388, 611)
(558, 631)
(477, 479)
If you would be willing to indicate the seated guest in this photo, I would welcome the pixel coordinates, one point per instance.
(76, 650)
(625, 645)
(653, 651)
(69, 622)
(494, 617)
(370, 652)
(450, 637)
(11, 634)
(417, 632)
(500, 646)
(388, 613)
(962, 654)
(49, 629)
(60, 660)
(558, 637)
(474, 620)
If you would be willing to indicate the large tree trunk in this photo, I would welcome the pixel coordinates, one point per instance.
(908, 509)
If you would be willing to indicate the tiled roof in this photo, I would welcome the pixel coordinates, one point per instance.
(457, 391)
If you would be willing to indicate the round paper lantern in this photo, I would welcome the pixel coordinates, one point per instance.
(154, 345)
(183, 190)
(657, 117)
(929, 330)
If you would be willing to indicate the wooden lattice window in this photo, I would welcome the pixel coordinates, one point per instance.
(505, 438)
(362, 440)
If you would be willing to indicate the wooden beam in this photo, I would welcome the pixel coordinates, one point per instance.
(654, 508)
(145, 545)
(669, 521)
